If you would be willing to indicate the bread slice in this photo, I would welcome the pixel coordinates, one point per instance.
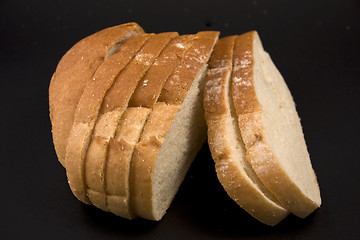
(87, 112)
(73, 72)
(271, 129)
(226, 145)
(173, 133)
(115, 105)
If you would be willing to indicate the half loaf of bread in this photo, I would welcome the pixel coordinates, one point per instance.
(255, 134)
(137, 123)
(128, 117)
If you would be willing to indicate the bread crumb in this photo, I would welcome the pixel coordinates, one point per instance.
(179, 45)
(239, 81)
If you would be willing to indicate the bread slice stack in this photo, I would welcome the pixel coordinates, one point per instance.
(128, 112)
(255, 135)
(130, 128)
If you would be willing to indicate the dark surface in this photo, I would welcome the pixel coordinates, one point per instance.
(315, 45)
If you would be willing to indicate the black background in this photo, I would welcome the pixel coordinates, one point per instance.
(315, 45)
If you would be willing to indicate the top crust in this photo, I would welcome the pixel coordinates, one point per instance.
(176, 87)
(73, 72)
(88, 110)
(148, 90)
(270, 128)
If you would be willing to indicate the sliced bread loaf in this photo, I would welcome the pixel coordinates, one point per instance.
(226, 145)
(74, 71)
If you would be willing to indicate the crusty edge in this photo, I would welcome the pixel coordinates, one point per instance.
(173, 93)
(88, 110)
(73, 72)
(144, 96)
(235, 180)
(176, 87)
(259, 153)
(118, 162)
(144, 158)
(124, 85)
(149, 88)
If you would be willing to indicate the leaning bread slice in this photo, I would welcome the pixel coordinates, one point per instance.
(87, 112)
(227, 148)
(173, 133)
(73, 72)
(271, 129)
(113, 107)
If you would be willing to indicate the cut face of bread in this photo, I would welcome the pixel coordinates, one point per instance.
(173, 133)
(226, 145)
(74, 71)
(271, 129)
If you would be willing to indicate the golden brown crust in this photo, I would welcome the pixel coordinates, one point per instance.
(234, 179)
(145, 155)
(226, 153)
(141, 176)
(176, 87)
(148, 90)
(96, 153)
(159, 121)
(88, 110)
(78, 142)
(251, 123)
(119, 156)
(143, 60)
(243, 92)
(73, 72)
(220, 67)
(281, 183)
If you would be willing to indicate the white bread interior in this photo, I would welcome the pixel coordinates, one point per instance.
(185, 137)
(292, 180)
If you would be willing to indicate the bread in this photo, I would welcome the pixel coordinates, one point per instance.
(227, 149)
(128, 114)
(113, 106)
(119, 115)
(87, 112)
(271, 129)
(173, 133)
(133, 120)
(73, 72)
(264, 129)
